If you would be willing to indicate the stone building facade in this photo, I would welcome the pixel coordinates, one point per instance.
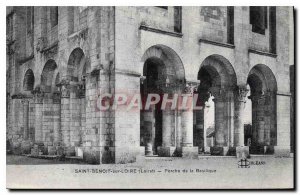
(60, 59)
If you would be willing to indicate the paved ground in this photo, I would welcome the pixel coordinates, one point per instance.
(205, 172)
(23, 160)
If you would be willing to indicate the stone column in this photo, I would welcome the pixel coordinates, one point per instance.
(25, 144)
(25, 118)
(221, 134)
(38, 100)
(203, 97)
(167, 130)
(65, 113)
(149, 130)
(242, 151)
(258, 124)
(56, 118)
(167, 148)
(178, 129)
(82, 121)
(188, 149)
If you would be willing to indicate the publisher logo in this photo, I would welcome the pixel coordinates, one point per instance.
(243, 163)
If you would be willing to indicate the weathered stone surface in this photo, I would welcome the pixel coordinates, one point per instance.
(56, 73)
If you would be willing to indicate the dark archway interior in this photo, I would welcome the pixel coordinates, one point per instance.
(48, 75)
(77, 65)
(153, 70)
(28, 83)
(263, 89)
(215, 72)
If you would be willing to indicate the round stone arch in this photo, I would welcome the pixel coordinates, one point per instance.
(163, 72)
(262, 78)
(78, 65)
(169, 57)
(28, 82)
(47, 76)
(219, 70)
(218, 79)
(263, 88)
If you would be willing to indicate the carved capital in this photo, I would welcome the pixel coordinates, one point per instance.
(241, 93)
(258, 98)
(64, 86)
(25, 102)
(220, 94)
(38, 95)
(81, 90)
(65, 91)
(191, 87)
(56, 97)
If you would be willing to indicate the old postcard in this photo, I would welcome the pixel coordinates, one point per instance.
(157, 97)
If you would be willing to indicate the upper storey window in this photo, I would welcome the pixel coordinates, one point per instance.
(163, 7)
(259, 19)
(29, 19)
(177, 19)
(54, 16)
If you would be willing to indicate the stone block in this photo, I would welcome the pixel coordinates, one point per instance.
(219, 151)
(190, 152)
(166, 151)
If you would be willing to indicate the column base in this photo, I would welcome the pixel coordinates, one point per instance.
(282, 151)
(79, 151)
(219, 151)
(189, 152)
(148, 150)
(242, 152)
(166, 151)
(206, 150)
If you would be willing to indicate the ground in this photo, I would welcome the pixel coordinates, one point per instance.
(205, 172)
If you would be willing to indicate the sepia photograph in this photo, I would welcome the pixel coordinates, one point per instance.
(150, 97)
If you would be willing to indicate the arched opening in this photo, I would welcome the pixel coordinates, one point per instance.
(76, 74)
(263, 88)
(47, 76)
(28, 82)
(76, 66)
(163, 73)
(215, 122)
